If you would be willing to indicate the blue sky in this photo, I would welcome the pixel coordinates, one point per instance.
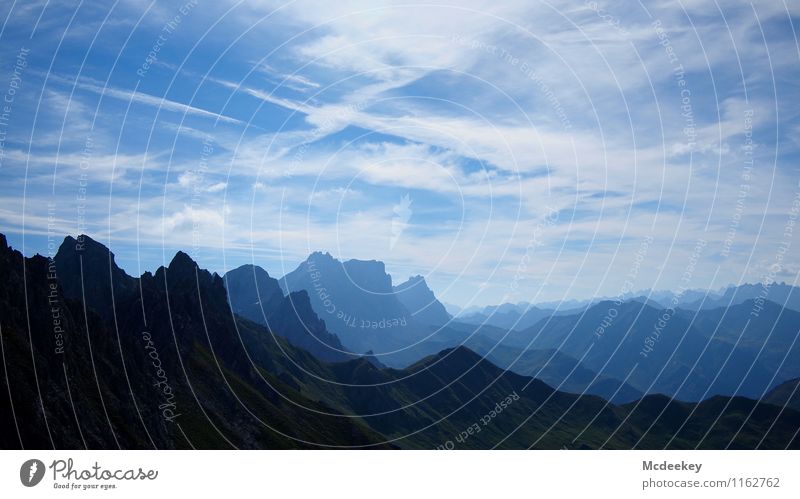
(508, 151)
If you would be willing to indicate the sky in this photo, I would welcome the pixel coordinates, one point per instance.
(507, 151)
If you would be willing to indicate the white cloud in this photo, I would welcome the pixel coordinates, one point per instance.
(455, 86)
(160, 103)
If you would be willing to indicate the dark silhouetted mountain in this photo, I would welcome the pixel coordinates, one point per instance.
(563, 373)
(177, 369)
(173, 371)
(370, 357)
(453, 376)
(558, 370)
(706, 425)
(785, 395)
(98, 286)
(256, 296)
(252, 292)
(356, 300)
(418, 299)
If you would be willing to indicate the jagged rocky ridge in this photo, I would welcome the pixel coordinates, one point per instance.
(171, 367)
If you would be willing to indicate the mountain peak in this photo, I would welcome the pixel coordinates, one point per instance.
(459, 357)
(369, 275)
(370, 357)
(252, 291)
(84, 245)
(182, 261)
(356, 301)
(318, 255)
(87, 271)
(420, 300)
(416, 280)
(375, 267)
(92, 254)
(249, 268)
(461, 352)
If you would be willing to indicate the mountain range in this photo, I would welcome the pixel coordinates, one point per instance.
(523, 315)
(185, 358)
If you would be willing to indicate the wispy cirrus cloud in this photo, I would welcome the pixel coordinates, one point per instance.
(160, 103)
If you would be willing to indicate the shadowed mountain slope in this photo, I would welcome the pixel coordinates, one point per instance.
(176, 369)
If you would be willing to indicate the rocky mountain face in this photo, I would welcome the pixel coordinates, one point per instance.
(356, 300)
(256, 296)
(419, 300)
(173, 367)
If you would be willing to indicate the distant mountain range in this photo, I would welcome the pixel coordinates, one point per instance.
(523, 315)
(691, 355)
(688, 355)
(507, 316)
(782, 294)
(184, 358)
